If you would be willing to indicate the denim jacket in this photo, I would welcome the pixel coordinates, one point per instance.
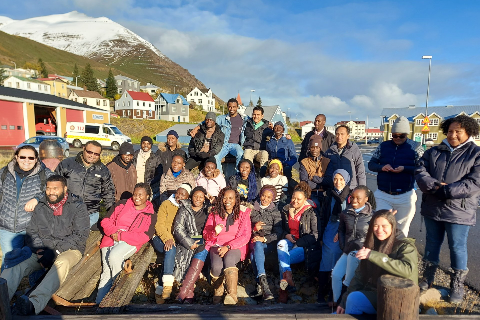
(224, 122)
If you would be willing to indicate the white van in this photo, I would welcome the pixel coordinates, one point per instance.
(79, 133)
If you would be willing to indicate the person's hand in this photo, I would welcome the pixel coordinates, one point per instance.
(290, 238)
(387, 167)
(194, 131)
(258, 238)
(270, 125)
(444, 184)
(169, 244)
(30, 205)
(394, 212)
(218, 229)
(222, 251)
(288, 136)
(398, 169)
(363, 253)
(195, 245)
(259, 225)
(115, 236)
(340, 310)
(335, 239)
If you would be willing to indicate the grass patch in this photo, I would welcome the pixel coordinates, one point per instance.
(137, 128)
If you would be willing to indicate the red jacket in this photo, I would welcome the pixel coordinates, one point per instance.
(136, 226)
(237, 236)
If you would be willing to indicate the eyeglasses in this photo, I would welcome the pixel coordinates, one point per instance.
(25, 157)
(399, 136)
(94, 153)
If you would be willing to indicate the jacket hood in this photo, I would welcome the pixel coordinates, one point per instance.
(119, 162)
(38, 166)
(449, 147)
(148, 209)
(306, 206)
(256, 206)
(162, 146)
(367, 210)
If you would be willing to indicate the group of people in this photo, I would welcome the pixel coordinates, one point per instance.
(346, 235)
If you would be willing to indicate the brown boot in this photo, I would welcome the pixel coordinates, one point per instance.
(283, 296)
(218, 289)
(167, 289)
(231, 280)
(287, 282)
(188, 284)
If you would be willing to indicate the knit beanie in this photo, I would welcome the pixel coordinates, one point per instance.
(277, 161)
(269, 188)
(126, 148)
(401, 125)
(187, 187)
(343, 173)
(211, 115)
(172, 133)
(316, 141)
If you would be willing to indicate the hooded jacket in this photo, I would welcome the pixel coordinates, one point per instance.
(272, 230)
(256, 139)
(197, 142)
(151, 165)
(283, 149)
(92, 184)
(312, 171)
(351, 160)
(213, 185)
(353, 228)
(166, 155)
(327, 142)
(332, 214)
(124, 178)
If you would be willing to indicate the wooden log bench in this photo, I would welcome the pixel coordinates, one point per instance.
(397, 298)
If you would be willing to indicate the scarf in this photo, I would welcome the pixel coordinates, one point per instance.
(176, 174)
(58, 207)
(21, 173)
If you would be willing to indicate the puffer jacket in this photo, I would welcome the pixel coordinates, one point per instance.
(166, 155)
(151, 165)
(197, 142)
(283, 149)
(272, 230)
(226, 125)
(256, 139)
(407, 155)
(312, 171)
(124, 178)
(68, 231)
(169, 184)
(13, 217)
(184, 227)
(459, 168)
(214, 185)
(353, 228)
(327, 142)
(351, 160)
(92, 184)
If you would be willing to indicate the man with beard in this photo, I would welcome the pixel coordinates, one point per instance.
(145, 161)
(56, 238)
(124, 174)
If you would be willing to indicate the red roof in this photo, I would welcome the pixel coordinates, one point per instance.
(239, 100)
(304, 123)
(142, 96)
(373, 130)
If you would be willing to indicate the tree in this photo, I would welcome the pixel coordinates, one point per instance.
(42, 68)
(259, 102)
(88, 80)
(75, 74)
(3, 76)
(111, 89)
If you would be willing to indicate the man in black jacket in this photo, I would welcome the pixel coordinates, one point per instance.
(319, 129)
(206, 143)
(89, 178)
(56, 238)
(257, 130)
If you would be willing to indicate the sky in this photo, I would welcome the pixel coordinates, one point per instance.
(307, 56)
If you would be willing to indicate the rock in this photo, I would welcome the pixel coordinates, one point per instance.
(307, 290)
(241, 293)
(429, 296)
(431, 311)
(444, 293)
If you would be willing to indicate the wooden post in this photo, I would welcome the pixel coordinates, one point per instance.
(5, 312)
(397, 298)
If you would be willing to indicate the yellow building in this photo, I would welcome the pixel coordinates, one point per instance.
(58, 86)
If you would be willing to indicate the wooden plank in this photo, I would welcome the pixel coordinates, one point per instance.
(5, 312)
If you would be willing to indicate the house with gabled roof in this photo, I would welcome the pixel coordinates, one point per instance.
(202, 97)
(126, 84)
(27, 84)
(90, 98)
(58, 85)
(270, 113)
(172, 107)
(135, 105)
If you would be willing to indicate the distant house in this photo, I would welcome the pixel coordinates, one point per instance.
(302, 123)
(25, 73)
(58, 86)
(151, 89)
(172, 107)
(90, 98)
(270, 113)
(135, 105)
(27, 84)
(306, 127)
(373, 133)
(70, 88)
(357, 128)
(126, 84)
(202, 97)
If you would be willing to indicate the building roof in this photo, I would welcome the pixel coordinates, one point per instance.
(204, 90)
(41, 98)
(27, 79)
(142, 96)
(172, 98)
(239, 99)
(444, 112)
(302, 123)
(373, 130)
(148, 86)
(53, 79)
(88, 94)
(120, 77)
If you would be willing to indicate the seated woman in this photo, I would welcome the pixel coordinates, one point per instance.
(127, 227)
(384, 252)
(300, 234)
(211, 179)
(276, 178)
(266, 231)
(174, 177)
(226, 234)
(163, 240)
(187, 231)
(245, 182)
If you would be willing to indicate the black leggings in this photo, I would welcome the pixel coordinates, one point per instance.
(230, 259)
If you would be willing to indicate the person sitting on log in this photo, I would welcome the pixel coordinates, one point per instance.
(174, 177)
(245, 182)
(385, 251)
(56, 237)
(188, 228)
(211, 179)
(164, 242)
(227, 233)
(276, 178)
(127, 227)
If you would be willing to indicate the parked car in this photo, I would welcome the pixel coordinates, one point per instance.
(35, 142)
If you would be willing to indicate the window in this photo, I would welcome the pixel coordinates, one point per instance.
(19, 127)
(92, 129)
(138, 104)
(129, 113)
(12, 127)
(434, 122)
(138, 112)
(4, 127)
(124, 113)
(63, 86)
(18, 85)
(173, 118)
(75, 99)
(419, 122)
(432, 136)
(390, 135)
(174, 109)
(392, 121)
(199, 100)
(144, 103)
(123, 103)
(28, 85)
(125, 94)
(164, 108)
(84, 100)
(150, 113)
(184, 109)
(98, 102)
(128, 103)
(104, 103)
(184, 119)
(478, 120)
(192, 100)
(46, 88)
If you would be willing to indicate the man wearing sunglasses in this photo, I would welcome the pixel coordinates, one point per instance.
(395, 161)
(89, 178)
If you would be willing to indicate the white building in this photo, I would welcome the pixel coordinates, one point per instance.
(135, 105)
(306, 128)
(373, 133)
(90, 98)
(27, 84)
(19, 72)
(151, 89)
(202, 97)
(126, 84)
(357, 128)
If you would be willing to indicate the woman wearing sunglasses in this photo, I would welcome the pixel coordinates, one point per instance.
(22, 184)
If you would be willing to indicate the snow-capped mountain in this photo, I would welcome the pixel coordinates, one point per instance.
(75, 32)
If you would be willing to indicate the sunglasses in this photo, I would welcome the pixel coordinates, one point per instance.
(94, 153)
(25, 157)
(399, 136)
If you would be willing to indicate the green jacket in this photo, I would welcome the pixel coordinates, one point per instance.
(401, 262)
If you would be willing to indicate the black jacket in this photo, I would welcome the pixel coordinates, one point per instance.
(327, 214)
(326, 143)
(197, 142)
(59, 233)
(272, 230)
(150, 166)
(353, 228)
(93, 184)
(256, 139)
(166, 155)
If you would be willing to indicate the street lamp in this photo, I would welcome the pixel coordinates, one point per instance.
(253, 90)
(428, 90)
(15, 64)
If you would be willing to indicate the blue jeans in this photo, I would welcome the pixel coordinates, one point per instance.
(169, 260)
(357, 303)
(257, 256)
(202, 255)
(10, 240)
(229, 148)
(345, 266)
(288, 255)
(94, 218)
(457, 235)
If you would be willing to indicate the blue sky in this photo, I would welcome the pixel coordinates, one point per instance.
(309, 56)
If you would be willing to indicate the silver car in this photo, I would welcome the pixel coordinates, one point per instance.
(35, 142)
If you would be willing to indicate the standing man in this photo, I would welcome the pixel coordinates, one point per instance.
(145, 161)
(395, 162)
(124, 174)
(256, 132)
(344, 154)
(279, 147)
(319, 129)
(89, 178)
(166, 151)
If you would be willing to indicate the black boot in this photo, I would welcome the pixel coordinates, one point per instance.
(456, 286)
(428, 276)
(23, 306)
(267, 294)
(323, 280)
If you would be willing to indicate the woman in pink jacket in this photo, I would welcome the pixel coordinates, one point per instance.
(227, 233)
(211, 179)
(127, 227)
